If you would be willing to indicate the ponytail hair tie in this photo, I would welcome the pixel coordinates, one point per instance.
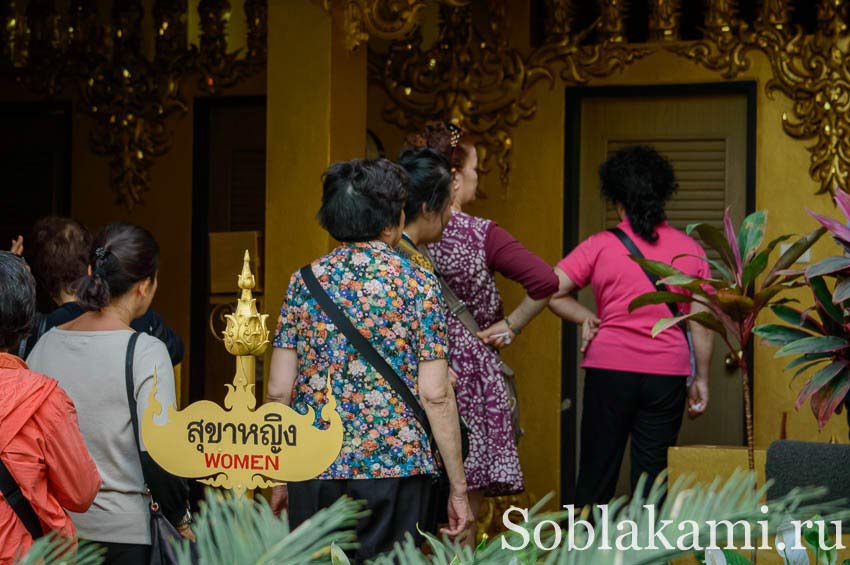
(100, 255)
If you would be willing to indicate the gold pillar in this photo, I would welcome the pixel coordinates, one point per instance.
(316, 115)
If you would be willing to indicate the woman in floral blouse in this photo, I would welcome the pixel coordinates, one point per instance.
(386, 458)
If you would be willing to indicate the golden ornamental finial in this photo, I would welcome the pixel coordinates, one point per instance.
(246, 332)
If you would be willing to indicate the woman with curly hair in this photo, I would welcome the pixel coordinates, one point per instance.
(467, 257)
(636, 386)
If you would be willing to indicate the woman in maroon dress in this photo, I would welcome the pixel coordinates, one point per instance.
(471, 251)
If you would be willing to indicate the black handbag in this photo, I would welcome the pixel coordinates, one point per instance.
(163, 534)
(371, 355)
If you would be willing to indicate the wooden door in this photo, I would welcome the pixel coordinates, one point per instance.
(705, 138)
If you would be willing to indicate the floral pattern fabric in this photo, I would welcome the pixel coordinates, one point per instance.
(398, 307)
(492, 465)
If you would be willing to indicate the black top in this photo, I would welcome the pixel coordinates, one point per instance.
(150, 323)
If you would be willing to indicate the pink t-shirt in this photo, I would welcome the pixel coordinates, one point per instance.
(624, 341)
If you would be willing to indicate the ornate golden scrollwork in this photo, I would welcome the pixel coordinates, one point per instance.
(813, 71)
(383, 19)
(476, 78)
(129, 95)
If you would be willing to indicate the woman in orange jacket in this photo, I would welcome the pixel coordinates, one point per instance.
(40, 442)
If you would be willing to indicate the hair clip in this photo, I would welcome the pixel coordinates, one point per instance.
(100, 253)
(455, 132)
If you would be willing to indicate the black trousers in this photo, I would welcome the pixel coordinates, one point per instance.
(125, 553)
(619, 405)
(397, 507)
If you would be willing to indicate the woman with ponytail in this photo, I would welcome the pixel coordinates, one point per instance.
(636, 386)
(87, 356)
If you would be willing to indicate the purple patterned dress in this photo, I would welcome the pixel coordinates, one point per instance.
(493, 462)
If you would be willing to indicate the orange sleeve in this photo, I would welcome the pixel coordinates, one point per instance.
(72, 476)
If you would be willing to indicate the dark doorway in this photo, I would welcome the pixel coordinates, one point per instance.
(229, 196)
(35, 164)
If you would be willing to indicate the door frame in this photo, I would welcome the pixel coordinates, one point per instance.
(574, 99)
(200, 267)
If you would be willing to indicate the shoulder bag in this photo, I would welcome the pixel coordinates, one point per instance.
(163, 533)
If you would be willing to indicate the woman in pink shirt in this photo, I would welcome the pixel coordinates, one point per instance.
(635, 385)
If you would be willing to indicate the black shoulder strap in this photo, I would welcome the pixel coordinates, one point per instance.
(633, 249)
(366, 349)
(16, 499)
(131, 389)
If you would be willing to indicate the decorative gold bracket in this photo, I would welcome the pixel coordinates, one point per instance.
(477, 79)
(812, 71)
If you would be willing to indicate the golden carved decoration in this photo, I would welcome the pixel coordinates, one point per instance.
(477, 79)
(382, 19)
(613, 27)
(664, 17)
(813, 71)
(240, 446)
(130, 95)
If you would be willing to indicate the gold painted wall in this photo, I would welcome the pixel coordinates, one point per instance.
(531, 208)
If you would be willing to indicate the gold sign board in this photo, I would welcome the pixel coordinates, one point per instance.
(239, 446)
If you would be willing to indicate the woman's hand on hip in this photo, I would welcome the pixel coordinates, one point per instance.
(589, 329)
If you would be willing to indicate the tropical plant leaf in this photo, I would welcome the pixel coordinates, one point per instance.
(819, 380)
(713, 238)
(753, 269)
(824, 299)
(751, 234)
(678, 280)
(796, 317)
(835, 227)
(775, 334)
(716, 265)
(658, 268)
(842, 200)
(828, 266)
(841, 291)
(736, 305)
(806, 358)
(732, 238)
(702, 318)
(658, 297)
(792, 254)
(805, 368)
(818, 344)
(829, 397)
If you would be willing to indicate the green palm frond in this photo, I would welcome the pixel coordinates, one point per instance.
(736, 500)
(55, 549)
(232, 529)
